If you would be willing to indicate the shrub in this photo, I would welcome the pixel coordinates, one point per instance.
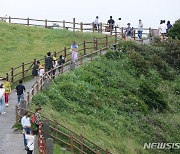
(153, 98)
(174, 32)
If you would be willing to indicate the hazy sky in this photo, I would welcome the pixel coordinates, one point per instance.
(150, 11)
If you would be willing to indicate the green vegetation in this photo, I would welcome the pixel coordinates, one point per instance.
(175, 30)
(23, 44)
(121, 100)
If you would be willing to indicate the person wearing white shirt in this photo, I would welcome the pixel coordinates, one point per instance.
(26, 124)
(30, 141)
(140, 29)
(162, 28)
(2, 104)
(96, 23)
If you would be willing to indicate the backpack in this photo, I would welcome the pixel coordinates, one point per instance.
(33, 118)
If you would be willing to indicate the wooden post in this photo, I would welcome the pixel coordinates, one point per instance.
(134, 34)
(81, 60)
(12, 75)
(84, 47)
(100, 51)
(28, 97)
(107, 151)
(96, 41)
(23, 71)
(71, 144)
(115, 34)
(64, 26)
(65, 50)
(45, 23)
(16, 114)
(111, 29)
(27, 21)
(93, 27)
(33, 91)
(74, 24)
(91, 55)
(81, 26)
(122, 35)
(97, 152)
(106, 40)
(81, 139)
(7, 76)
(9, 19)
(37, 87)
(100, 27)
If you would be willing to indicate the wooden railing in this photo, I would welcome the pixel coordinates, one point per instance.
(72, 25)
(67, 138)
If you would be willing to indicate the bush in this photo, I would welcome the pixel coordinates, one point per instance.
(153, 98)
(174, 32)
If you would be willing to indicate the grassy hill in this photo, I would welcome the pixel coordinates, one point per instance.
(122, 100)
(23, 44)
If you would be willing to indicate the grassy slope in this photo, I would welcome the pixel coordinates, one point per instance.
(100, 100)
(23, 44)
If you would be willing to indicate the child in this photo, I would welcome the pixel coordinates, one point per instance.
(7, 87)
(41, 71)
(2, 91)
(74, 48)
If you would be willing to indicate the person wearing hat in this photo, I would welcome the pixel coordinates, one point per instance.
(129, 30)
(54, 66)
(41, 71)
(96, 23)
(2, 92)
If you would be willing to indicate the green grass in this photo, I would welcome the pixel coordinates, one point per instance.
(119, 101)
(23, 44)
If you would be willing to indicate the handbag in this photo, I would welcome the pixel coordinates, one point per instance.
(27, 148)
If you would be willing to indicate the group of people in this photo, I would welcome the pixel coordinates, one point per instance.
(28, 133)
(163, 29)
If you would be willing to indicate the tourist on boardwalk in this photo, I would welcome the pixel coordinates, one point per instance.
(96, 23)
(119, 25)
(35, 71)
(61, 61)
(30, 141)
(169, 26)
(20, 89)
(7, 86)
(74, 51)
(48, 62)
(26, 124)
(38, 118)
(111, 23)
(41, 71)
(2, 105)
(54, 66)
(129, 30)
(163, 29)
(140, 29)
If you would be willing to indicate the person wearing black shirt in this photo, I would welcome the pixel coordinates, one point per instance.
(35, 70)
(111, 23)
(61, 61)
(48, 62)
(20, 91)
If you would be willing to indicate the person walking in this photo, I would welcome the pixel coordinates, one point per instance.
(2, 105)
(48, 62)
(96, 23)
(30, 141)
(140, 29)
(129, 30)
(7, 86)
(35, 70)
(54, 66)
(163, 29)
(20, 89)
(26, 124)
(74, 48)
(111, 23)
(169, 26)
(61, 61)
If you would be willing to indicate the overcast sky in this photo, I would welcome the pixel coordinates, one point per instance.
(150, 11)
